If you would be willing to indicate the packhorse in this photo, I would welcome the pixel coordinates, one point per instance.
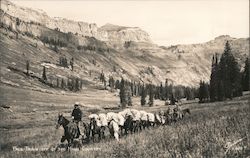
(96, 130)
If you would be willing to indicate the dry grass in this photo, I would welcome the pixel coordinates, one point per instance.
(208, 132)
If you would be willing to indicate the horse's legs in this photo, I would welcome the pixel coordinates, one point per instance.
(63, 139)
(99, 136)
(103, 132)
(69, 144)
(116, 135)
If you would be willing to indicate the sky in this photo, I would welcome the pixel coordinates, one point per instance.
(167, 22)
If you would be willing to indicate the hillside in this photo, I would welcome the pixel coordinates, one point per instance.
(117, 50)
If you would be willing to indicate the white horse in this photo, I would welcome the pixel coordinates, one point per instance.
(103, 119)
(125, 113)
(114, 121)
(136, 115)
(114, 129)
(144, 119)
(151, 118)
(96, 118)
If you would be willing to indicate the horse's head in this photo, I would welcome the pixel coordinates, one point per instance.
(60, 121)
(187, 111)
(128, 117)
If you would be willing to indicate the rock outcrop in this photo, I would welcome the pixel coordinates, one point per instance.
(121, 34)
(109, 33)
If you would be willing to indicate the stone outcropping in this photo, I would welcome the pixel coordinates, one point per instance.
(110, 33)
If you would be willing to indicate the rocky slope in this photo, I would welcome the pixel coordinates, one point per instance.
(105, 33)
(117, 50)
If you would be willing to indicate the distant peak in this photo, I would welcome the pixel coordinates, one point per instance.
(112, 27)
(223, 37)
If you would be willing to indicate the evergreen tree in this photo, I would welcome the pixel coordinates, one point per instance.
(229, 73)
(27, 67)
(77, 85)
(151, 95)
(143, 95)
(62, 84)
(44, 77)
(162, 92)
(167, 90)
(245, 77)
(81, 84)
(203, 92)
(57, 82)
(221, 91)
(122, 93)
(213, 90)
(105, 83)
(102, 77)
(111, 82)
(55, 48)
(129, 96)
(172, 99)
(117, 84)
(72, 64)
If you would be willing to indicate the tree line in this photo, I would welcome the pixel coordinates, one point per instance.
(226, 80)
(129, 89)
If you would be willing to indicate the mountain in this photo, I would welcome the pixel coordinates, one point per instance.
(118, 51)
(120, 34)
(107, 32)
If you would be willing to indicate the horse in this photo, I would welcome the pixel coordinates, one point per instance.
(128, 121)
(151, 119)
(144, 120)
(157, 119)
(85, 132)
(114, 129)
(71, 131)
(128, 124)
(96, 129)
(136, 115)
(169, 117)
(184, 112)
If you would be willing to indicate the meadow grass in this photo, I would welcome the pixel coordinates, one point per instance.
(212, 130)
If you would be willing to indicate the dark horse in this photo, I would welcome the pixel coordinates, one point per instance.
(96, 130)
(128, 124)
(71, 131)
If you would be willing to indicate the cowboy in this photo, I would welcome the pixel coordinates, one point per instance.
(77, 115)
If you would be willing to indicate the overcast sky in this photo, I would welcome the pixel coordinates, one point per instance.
(168, 22)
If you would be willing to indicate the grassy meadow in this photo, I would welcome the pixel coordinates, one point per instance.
(220, 129)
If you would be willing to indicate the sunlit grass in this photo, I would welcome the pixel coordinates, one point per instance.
(210, 131)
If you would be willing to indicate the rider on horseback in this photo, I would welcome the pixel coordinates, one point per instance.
(77, 116)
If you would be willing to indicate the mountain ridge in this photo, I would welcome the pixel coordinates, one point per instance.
(135, 59)
(67, 25)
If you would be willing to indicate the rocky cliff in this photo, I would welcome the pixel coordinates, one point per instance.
(109, 33)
